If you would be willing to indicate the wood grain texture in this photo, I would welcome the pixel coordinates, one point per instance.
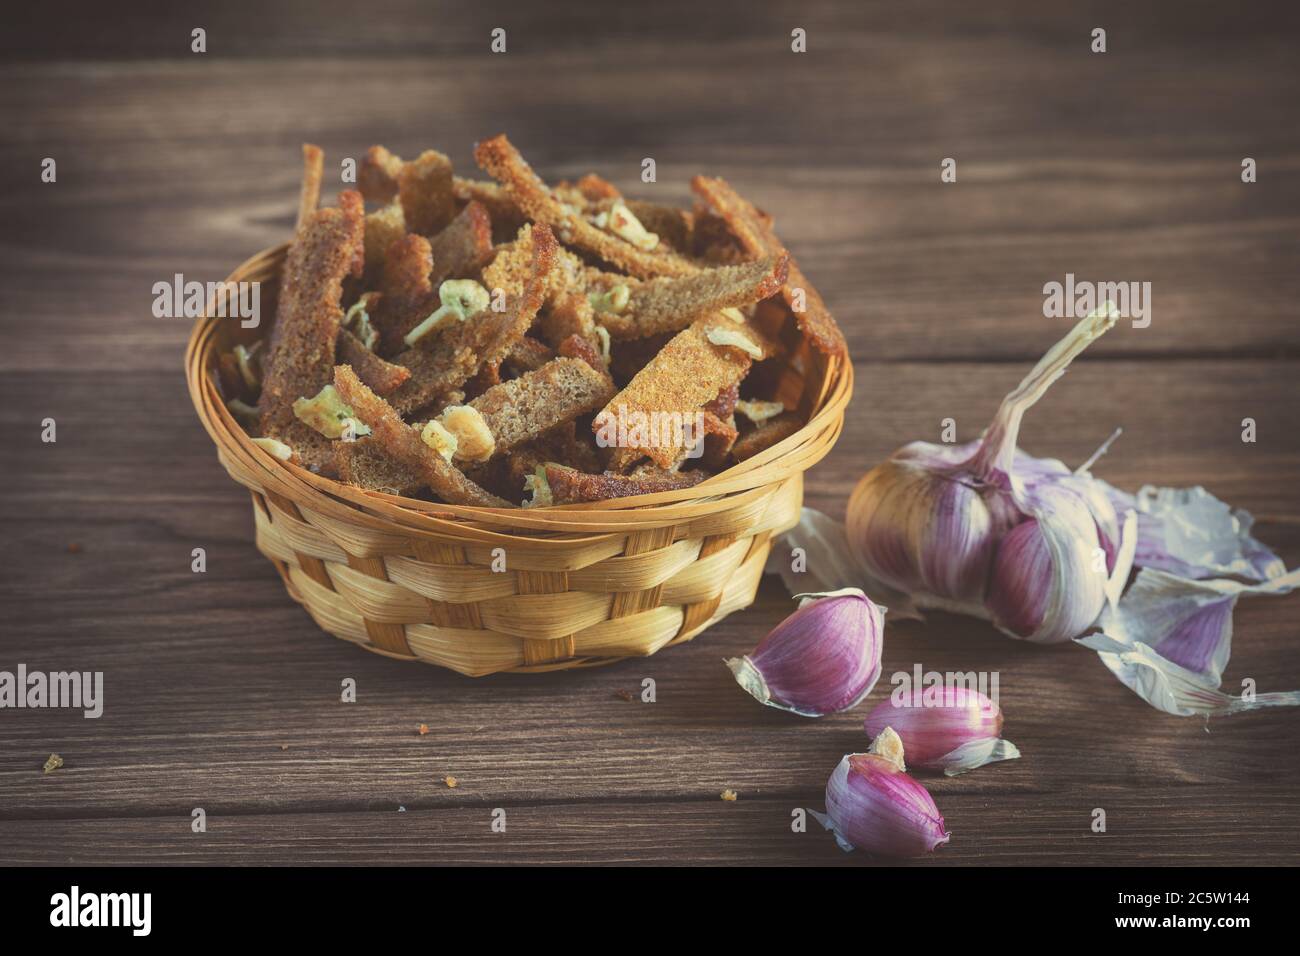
(221, 693)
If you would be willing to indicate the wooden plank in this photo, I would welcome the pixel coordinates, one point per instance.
(416, 28)
(1143, 829)
(246, 717)
(913, 267)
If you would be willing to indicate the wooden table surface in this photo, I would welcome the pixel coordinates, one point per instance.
(222, 694)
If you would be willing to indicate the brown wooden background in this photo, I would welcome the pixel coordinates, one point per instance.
(221, 693)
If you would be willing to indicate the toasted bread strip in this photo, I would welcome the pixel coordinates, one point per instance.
(424, 187)
(628, 358)
(402, 442)
(457, 353)
(511, 268)
(313, 170)
(720, 436)
(580, 452)
(460, 250)
(766, 435)
(753, 230)
(300, 355)
(377, 175)
(594, 188)
(507, 218)
(380, 376)
(520, 409)
(567, 310)
(503, 162)
(672, 225)
(528, 355)
(563, 445)
(408, 295)
(383, 227)
(712, 240)
(725, 404)
(688, 373)
(556, 446)
(571, 314)
(669, 305)
(436, 407)
(488, 375)
(569, 486)
(363, 463)
(575, 346)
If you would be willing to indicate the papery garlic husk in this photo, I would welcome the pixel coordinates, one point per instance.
(984, 529)
(823, 658)
(1191, 533)
(874, 806)
(1169, 639)
(953, 729)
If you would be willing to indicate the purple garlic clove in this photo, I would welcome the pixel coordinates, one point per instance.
(952, 729)
(823, 658)
(874, 806)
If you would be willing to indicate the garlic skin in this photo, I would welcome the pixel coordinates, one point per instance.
(1191, 533)
(823, 658)
(987, 530)
(957, 732)
(1169, 639)
(874, 806)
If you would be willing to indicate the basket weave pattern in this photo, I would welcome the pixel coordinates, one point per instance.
(481, 590)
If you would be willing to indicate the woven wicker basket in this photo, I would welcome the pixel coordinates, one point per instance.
(582, 585)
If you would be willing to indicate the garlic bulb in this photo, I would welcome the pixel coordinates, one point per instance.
(952, 729)
(1045, 553)
(984, 529)
(823, 658)
(873, 805)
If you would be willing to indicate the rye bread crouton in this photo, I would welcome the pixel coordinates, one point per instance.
(377, 175)
(686, 374)
(408, 294)
(365, 464)
(313, 170)
(753, 230)
(299, 358)
(424, 188)
(671, 304)
(764, 436)
(499, 158)
(380, 376)
(568, 486)
(402, 443)
(460, 250)
(561, 390)
(450, 358)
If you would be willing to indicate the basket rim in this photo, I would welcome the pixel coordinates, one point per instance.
(748, 484)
